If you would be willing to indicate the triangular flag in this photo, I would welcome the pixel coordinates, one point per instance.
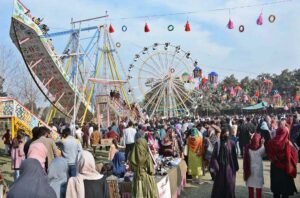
(187, 27)
(146, 29)
(230, 24)
(259, 20)
(111, 29)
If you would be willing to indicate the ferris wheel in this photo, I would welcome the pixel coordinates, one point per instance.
(162, 75)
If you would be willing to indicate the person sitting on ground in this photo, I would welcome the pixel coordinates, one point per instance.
(119, 168)
(58, 176)
(32, 182)
(88, 183)
(70, 151)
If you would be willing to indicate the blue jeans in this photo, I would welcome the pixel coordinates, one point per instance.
(72, 170)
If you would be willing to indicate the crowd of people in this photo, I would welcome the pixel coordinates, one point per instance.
(57, 162)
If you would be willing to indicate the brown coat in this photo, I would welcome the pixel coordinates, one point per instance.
(95, 138)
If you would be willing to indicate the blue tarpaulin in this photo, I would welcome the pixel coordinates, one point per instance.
(257, 106)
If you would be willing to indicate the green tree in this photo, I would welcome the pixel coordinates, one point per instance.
(230, 81)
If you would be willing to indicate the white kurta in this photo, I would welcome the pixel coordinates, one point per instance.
(256, 179)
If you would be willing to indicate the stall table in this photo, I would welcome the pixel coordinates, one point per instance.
(175, 179)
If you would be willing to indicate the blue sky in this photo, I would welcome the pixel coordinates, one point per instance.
(268, 48)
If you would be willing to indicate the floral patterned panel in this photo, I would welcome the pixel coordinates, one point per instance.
(6, 108)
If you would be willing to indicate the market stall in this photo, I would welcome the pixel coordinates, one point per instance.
(169, 185)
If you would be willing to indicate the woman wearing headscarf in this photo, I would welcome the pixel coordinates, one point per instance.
(223, 166)
(113, 149)
(119, 168)
(170, 145)
(141, 162)
(195, 154)
(264, 131)
(253, 165)
(17, 155)
(58, 176)
(88, 183)
(284, 159)
(152, 142)
(32, 182)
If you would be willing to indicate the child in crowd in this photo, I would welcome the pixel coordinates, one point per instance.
(253, 166)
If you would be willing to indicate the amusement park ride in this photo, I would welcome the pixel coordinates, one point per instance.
(87, 78)
(76, 80)
(162, 73)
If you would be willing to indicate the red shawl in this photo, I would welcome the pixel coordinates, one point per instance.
(282, 153)
(254, 145)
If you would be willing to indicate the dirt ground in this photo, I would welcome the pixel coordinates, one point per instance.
(190, 191)
(204, 190)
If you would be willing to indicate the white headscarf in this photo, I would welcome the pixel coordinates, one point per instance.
(86, 170)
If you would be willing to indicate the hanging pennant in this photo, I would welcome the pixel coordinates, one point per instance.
(111, 29)
(259, 20)
(187, 27)
(146, 28)
(230, 24)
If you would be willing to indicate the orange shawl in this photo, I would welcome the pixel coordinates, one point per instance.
(195, 144)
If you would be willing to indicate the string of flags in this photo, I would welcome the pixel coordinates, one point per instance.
(259, 21)
(187, 27)
(230, 25)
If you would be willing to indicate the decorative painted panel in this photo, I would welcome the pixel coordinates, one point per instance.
(6, 108)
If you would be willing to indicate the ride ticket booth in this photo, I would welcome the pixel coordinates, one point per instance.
(15, 116)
